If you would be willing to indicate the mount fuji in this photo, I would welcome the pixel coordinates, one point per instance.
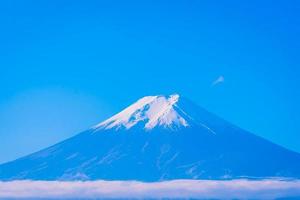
(158, 138)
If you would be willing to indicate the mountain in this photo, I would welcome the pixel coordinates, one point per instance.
(158, 138)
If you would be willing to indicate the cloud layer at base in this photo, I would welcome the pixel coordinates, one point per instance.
(241, 189)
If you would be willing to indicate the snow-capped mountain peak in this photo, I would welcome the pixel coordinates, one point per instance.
(150, 112)
(183, 141)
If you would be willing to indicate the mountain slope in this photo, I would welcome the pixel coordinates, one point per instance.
(158, 138)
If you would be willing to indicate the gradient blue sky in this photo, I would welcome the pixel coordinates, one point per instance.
(66, 65)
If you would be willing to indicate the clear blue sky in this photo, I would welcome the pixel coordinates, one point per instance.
(66, 65)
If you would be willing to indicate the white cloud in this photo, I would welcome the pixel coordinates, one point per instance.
(241, 189)
(219, 80)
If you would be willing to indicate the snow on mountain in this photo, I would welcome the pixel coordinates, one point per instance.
(151, 112)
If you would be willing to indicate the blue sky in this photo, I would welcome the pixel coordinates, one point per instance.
(67, 65)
